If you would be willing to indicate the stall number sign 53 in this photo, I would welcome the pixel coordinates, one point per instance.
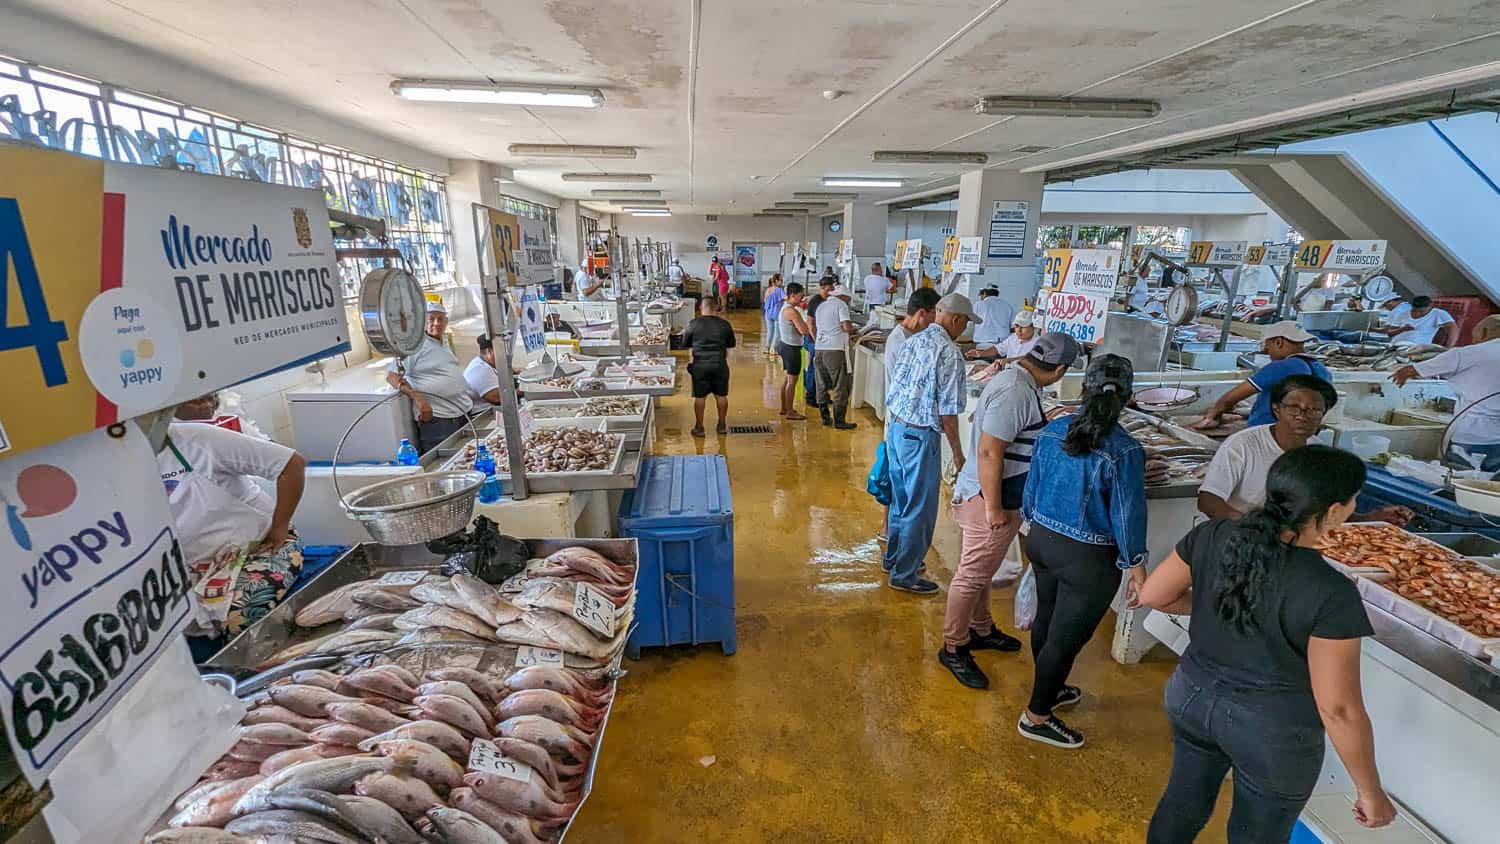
(486, 758)
(593, 610)
(72, 680)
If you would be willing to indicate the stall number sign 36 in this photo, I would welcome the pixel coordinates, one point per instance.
(593, 610)
(486, 758)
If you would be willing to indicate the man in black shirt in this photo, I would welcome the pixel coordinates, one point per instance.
(711, 336)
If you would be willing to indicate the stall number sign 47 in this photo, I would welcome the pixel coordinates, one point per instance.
(593, 610)
(486, 758)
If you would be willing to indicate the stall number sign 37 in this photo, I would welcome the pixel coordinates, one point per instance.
(593, 610)
(486, 758)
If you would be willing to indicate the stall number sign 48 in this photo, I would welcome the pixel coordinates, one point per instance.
(486, 758)
(593, 610)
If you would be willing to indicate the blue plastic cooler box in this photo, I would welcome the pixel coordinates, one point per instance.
(681, 514)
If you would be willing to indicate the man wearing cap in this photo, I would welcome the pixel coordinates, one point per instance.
(1284, 342)
(831, 357)
(923, 397)
(480, 374)
(435, 384)
(987, 499)
(1021, 339)
(997, 315)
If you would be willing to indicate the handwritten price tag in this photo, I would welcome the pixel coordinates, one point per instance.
(593, 610)
(528, 421)
(527, 656)
(401, 578)
(486, 758)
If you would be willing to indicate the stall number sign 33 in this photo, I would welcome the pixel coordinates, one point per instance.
(593, 610)
(486, 758)
(73, 680)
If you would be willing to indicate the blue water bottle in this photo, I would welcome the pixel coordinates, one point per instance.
(406, 455)
(489, 490)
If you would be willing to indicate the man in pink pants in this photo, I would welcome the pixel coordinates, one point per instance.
(987, 499)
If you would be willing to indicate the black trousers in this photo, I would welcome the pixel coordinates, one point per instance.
(1075, 583)
(429, 434)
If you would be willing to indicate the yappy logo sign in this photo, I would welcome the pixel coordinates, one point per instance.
(132, 350)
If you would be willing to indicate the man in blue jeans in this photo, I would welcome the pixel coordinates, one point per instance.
(924, 395)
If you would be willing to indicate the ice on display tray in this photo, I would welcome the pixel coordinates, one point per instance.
(585, 386)
(1374, 590)
(619, 413)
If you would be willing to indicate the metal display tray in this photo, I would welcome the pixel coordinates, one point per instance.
(605, 478)
(613, 387)
(634, 422)
(1187, 487)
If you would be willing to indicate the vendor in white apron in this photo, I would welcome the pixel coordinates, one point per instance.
(1474, 374)
(235, 537)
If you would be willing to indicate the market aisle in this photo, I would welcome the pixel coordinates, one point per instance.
(834, 721)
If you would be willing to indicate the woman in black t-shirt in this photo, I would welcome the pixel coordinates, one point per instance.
(1273, 661)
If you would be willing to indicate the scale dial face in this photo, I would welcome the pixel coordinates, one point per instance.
(1182, 305)
(393, 310)
(1378, 288)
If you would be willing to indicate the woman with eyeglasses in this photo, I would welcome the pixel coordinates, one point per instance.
(1236, 480)
(1273, 665)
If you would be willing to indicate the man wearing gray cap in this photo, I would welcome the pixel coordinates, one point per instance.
(987, 499)
(924, 395)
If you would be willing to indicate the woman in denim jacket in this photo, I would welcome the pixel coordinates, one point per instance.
(1086, 501)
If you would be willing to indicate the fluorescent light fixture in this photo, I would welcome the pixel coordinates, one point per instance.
(502, 93)
(624, 192)
(651, 212)
(785, 212)
(639, 203)
(825, 197)
(643, 206)
(571, 151)
(1067, 107)
(782, 214)
(606, 177)
(803, 204)
(899, 157)
(859, 182)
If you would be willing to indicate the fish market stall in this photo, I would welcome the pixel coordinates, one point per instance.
(1430, 685)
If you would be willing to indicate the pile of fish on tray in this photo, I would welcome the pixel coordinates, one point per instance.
(1373, 356)
(448, 739)
(566, 449)
(1169, 460)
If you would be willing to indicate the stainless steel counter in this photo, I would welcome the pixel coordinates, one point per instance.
(1475, 678)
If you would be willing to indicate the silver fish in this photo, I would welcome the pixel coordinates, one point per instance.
(369, 716)
(407, 795)
(548, 629)
(431, 615)
(277, 714)
(310, 701)
(455, 711)
(436, 733)
(484, 600)
(377, 621)
(277, 824)
(215, 807)
(330, 607)
(432, 766)
(439, 635)
(458, 690)
(321, 804)
(379, 822)
(384, 600)
(400, 673)
(195, 835)
(338, 733)
(482, 685)
(371, 681)
(441, 594)
(277, 734)
(334, 775)
(547, 733)
(316, 677)
(296, 755)
(455, 826)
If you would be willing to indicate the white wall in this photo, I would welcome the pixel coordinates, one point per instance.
(688, 233)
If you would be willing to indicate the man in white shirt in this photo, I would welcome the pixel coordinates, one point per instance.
(435, 384)
(480, 374)
(997, 315)
(1474, 374)
(1420, 323)
(831, 357)
(878, 288)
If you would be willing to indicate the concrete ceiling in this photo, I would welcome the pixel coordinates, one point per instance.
(748, 125)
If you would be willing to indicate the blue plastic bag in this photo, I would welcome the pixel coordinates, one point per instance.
(878, 483)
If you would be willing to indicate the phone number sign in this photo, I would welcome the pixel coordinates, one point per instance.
(1080, 315)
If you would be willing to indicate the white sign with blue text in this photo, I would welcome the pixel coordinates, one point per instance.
(532, 335)
(100, 587)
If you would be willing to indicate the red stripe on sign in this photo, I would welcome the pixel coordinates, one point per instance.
(111, 276)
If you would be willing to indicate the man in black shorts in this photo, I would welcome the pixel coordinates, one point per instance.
(710, 336)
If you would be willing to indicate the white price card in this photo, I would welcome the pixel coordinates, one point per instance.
(527, 656)
(528, 423)
(401, 578)
(593, 610)
(486, 758)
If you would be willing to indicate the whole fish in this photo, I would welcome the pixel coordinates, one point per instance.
(441, 594)
(481, 684)
(310, 701)
(547, 594)
(228, 768)
(591, 563)
(407, 795)
(374, 621)
(294, 755)
(484, 600)
(278, 734)
(527, 798)
(379, 822)
(215, 808)
(249, 751)
(431, 615)
(338, 733)
(373, 682)
(556, 737)
(564, 680)
(402, 674)
(366, 715)
(277, 714)
(514, 828)
(333, 775)
(384, 600)
(317, 677)
(549, 704)
(289, 825)
(202, 788)
(330, 607)
(539, 760)
(548, 629)
(195, 835)
(447, 825)
(432, 765)
(320, 804)
(339, 642)
(458, 690)
(436, 733)
(455, 711)
(435, 635)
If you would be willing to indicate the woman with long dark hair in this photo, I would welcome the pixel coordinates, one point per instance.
(1273, 662)
(1086, 501)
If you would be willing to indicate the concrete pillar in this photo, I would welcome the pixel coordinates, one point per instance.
(866, 224)
(978, 191)
(569, 233)
(469, 181)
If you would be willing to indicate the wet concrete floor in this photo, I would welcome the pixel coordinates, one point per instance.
(834, 722)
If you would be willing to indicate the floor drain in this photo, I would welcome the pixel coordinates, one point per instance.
(749, 429)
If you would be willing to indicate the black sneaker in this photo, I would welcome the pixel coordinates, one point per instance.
(916, 587)
(845, 426)
(964, 668)
(1051, 731)
(995, 640)
(1067, 696)
(827, 417)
